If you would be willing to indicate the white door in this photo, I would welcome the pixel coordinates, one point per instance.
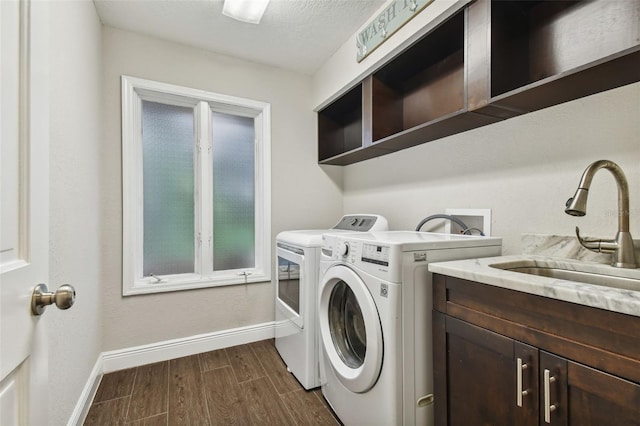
(24, 209)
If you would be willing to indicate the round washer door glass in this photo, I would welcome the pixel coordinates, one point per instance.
(350, 329)
(347, 325)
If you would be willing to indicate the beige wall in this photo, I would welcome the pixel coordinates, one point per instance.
(303, 195)
(75, 210)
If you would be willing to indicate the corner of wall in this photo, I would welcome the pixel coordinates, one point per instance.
(342, 71)
(75, 247)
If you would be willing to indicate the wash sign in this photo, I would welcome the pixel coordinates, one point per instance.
(396, 14)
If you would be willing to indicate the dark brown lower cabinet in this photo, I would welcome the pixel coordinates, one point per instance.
(483, 377)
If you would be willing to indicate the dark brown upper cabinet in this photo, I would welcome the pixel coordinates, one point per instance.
(418, 96)
(490, 61)
(543, 53)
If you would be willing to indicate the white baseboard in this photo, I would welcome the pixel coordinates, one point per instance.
(162, 351)
(88, 393)
(169, 349)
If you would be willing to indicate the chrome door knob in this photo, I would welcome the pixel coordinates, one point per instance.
(64, 297)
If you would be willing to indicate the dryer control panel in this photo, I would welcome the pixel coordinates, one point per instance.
(362, 223)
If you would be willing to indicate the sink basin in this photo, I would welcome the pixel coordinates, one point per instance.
(602, 275)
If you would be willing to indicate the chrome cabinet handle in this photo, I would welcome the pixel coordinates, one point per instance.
(64, 297)
(548, 407)
(519, 391)
(425, 400)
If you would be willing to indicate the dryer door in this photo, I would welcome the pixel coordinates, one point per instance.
(350, 329)
(291, 283)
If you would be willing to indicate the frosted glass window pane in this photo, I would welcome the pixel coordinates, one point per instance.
(233, 192)
(168, 187)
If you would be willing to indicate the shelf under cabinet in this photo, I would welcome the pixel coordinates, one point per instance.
(448, 125)
(616, 71)
(354, 156)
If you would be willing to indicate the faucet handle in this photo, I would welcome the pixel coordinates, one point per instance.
(597, 245)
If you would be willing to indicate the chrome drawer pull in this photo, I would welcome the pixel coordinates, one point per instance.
(519, 392)
(548, 407)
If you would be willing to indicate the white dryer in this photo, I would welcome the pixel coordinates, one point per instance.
(374, 310)
(298, 254)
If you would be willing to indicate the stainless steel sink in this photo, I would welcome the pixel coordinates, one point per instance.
(576, 272)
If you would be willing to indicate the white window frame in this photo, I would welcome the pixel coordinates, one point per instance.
(136, 90)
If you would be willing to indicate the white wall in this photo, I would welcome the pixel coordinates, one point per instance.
(524, 169)
(75, 211)
(303, 195)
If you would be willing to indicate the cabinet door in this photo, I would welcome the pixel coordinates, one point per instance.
(553, 390)
(480, 382)
(576, 395)
(597, 398)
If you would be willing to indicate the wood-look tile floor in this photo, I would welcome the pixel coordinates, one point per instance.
(243, 385)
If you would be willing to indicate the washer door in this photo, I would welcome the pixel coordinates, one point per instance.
(350, 329)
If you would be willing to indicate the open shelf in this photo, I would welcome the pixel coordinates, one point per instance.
(547, 52)
(424, 83)
(490, 61)
(420, 95)
(416, 97)
(340, 125)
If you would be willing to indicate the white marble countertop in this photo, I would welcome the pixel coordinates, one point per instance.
(613, 299)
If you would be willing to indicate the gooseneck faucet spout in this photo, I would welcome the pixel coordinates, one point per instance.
(622, 246)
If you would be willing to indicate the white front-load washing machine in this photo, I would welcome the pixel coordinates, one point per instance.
(374, 313)
(298, 254)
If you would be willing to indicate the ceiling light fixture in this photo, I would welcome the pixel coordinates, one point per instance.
(250, 11)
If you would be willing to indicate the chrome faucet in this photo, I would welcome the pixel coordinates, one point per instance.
(622, 246)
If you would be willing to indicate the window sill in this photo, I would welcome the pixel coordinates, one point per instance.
(148, 286)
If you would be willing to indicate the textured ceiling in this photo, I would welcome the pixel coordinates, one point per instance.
(299, 35)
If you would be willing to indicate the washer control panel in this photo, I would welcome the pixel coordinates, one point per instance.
(381, 260)
(376, 254)
(338, 248)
